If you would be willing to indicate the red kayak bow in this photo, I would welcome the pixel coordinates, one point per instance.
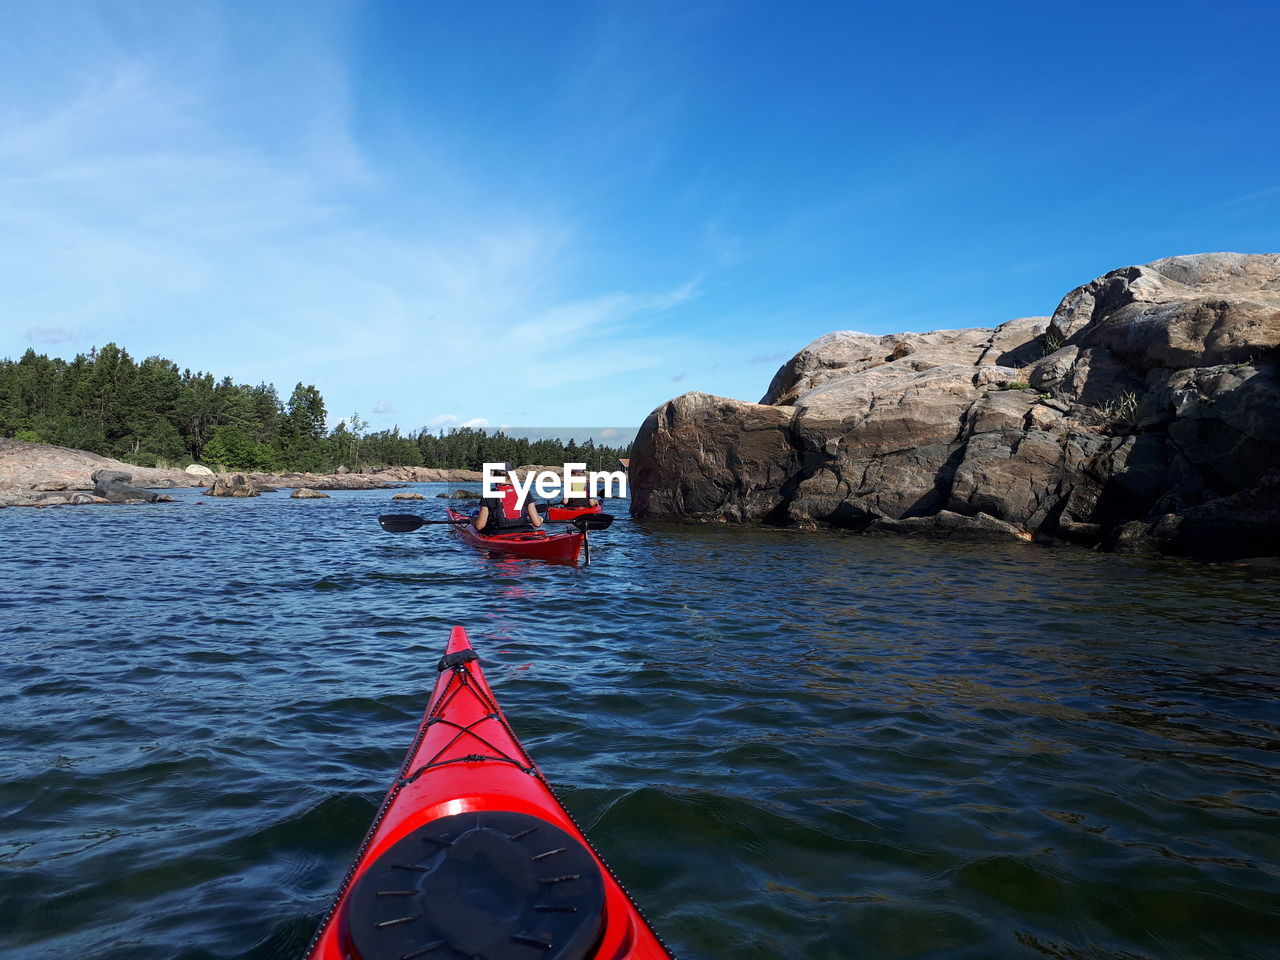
(472, 857)
(563, 547)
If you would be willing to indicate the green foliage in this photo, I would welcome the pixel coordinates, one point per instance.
(152, 412)
(468, 449)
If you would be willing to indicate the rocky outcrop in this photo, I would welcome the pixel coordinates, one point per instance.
(34, 474)
(1151, 397)
(116, 486)
(305, 493)
(38, 474)
(428, 475)
(316, 481)
(233, 485)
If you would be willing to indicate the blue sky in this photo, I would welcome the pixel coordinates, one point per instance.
(566, 213)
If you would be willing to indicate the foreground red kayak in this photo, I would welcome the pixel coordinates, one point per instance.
(472, 857)
(525, 543)
(561, 514)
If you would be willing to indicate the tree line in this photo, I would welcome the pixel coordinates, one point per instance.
(151, 413)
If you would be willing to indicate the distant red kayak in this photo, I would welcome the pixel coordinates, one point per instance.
(561, 514)
(472, 856)
(563, 547)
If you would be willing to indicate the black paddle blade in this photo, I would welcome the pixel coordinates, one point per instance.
(592, 521)
(400, 522)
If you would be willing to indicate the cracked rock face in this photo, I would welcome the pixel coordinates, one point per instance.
(1151, 397)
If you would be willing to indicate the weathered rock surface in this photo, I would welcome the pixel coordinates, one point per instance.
(428, 475)
(34, 474)
(37, 474)
(317, 481)
(1151, 397)
(305, 493)
(408, 495)
(233, 485)
(116, 486)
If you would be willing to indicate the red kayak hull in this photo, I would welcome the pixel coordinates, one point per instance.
(465, 758)
(563, 514)
(561, 547)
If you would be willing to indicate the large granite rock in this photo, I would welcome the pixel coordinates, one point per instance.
(1151, 397)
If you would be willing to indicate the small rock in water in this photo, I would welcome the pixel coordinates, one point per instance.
(408, 495)
(306, 493)
(233, 485)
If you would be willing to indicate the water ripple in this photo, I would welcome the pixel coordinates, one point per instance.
(787, 746)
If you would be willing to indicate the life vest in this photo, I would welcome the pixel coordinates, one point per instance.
(576, 492)
(503, 514)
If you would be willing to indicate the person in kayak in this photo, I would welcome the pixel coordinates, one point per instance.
(500, 515)
(575, 493)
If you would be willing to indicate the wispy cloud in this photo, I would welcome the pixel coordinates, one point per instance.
(160, 187)
(1268, 194)
(50, 335)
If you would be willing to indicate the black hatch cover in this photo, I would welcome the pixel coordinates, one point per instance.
(490, 886)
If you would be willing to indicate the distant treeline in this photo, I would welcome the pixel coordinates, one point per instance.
(154, 414)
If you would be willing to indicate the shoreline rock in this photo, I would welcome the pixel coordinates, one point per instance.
(37, 474)
(116, 486)
(1150, 397)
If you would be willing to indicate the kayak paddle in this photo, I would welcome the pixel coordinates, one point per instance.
(408, 522)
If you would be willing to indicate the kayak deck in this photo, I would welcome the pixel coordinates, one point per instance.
(559, 514)
(472, 855)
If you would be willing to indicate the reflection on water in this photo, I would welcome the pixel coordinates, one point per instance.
(787, 746)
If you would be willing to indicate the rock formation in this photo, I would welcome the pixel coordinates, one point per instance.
(306, 493)
(1145, 414)
(116, 486)
(233, 485)
(39, 475)
(427, 475)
